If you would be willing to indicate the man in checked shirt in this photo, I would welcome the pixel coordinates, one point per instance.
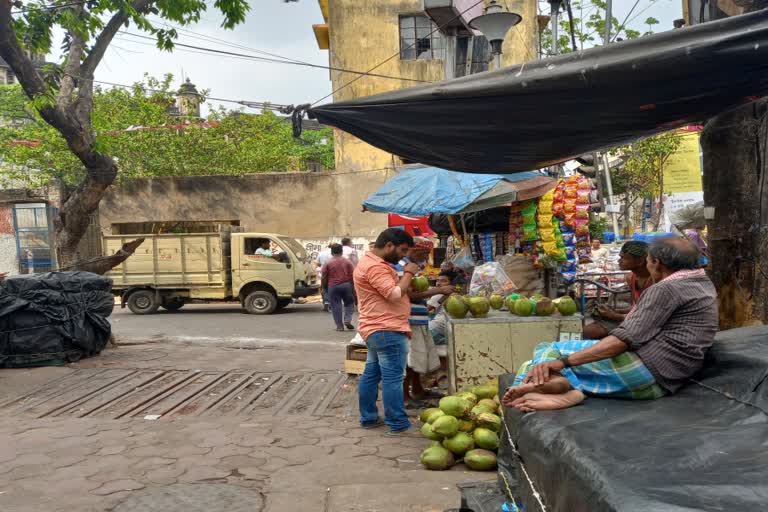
(659, 345)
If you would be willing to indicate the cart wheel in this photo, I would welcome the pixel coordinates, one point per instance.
(143, 302)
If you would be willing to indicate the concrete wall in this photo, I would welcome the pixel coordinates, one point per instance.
(363, 34)
(303, 205)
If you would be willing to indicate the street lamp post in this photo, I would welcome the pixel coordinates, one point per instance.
(554, 14)
(494, 25)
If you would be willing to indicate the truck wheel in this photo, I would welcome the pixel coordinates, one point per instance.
(260, 303)
(143, 302)
(173, 305)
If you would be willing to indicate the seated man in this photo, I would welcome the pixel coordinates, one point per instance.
(633, 258)
(661, 343)
(437, 322)
(437, 313)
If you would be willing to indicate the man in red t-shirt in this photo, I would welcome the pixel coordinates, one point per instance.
(337, 281)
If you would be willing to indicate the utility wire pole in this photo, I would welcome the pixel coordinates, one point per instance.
(606, 166)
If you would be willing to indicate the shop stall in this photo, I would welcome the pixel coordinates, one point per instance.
(511, 235)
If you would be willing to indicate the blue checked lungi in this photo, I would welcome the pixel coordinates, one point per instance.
(623, 376)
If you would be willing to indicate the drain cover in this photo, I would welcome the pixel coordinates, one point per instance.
(193, 498)
(125, 393)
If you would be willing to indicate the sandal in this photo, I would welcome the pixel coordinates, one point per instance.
(416, 404)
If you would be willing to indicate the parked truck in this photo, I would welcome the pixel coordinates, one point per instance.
(171, 270)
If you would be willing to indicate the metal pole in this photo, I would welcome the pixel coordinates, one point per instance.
(497, 60)
(609, 186)
(555, 23)
(608, 18)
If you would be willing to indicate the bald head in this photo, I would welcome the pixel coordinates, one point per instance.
(675, 253)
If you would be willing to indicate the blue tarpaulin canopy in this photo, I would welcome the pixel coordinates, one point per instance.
(425, 190)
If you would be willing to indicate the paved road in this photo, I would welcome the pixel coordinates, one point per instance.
(228, 324)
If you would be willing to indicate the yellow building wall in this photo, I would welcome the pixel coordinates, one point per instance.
(365, 33)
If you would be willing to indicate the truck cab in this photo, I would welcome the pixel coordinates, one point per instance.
(260, 279)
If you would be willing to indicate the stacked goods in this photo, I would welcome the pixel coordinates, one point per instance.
(549, 231)
(581, 220)
(515, 227)
(568, 267)
(465, 428)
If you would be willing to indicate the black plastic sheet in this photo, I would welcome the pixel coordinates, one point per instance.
(702, 449)
(525, 117)
(53, 318)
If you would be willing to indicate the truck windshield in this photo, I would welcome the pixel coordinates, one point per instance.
(296, 247)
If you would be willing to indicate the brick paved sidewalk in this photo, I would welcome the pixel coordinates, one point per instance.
(263, 461)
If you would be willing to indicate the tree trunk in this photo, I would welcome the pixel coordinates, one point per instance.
(104, 264)
(734, 145)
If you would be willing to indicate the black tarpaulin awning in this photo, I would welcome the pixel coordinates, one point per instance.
(525, 117)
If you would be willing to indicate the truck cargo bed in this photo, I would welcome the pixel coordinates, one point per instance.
(173, 261)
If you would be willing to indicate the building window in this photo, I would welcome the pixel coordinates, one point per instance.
(10, 78)
(420, 39)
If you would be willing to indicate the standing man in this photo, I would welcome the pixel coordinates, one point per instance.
(350, 252)
(423, 355)
(384, 308)
(337, 285)
(324, 257)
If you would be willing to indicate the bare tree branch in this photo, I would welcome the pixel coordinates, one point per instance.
(105, 38)
(14, 55)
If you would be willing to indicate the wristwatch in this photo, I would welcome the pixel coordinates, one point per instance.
(565, 361)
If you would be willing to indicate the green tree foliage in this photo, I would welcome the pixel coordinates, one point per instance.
(63, 93)
(238, 143)
(642, 175)
(588, 27)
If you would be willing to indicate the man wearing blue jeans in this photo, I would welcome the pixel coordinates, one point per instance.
(384, 308)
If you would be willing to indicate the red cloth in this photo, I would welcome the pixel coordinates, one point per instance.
(339, 270)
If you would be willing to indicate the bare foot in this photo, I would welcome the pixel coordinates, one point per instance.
(557, 385)
(545, 402)
(516, 392)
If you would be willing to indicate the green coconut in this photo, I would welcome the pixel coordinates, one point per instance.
(432, 417)
(459, 444)
(466, 425)
(455, 406)
(420, 284)
(566, 306)
(485, 438)
(456, 307)
(489, 421)
(480, 460)
(496, 301)
(544, 307)
(437, 458)
(426, 430)
(488, 402)
(523, 307)
(468, 396)
(486, 391)
(445, 426)
(481, 409)
(426, 413)
(511, 304)
(479, 306)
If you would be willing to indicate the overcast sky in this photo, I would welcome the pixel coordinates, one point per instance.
(280, 28)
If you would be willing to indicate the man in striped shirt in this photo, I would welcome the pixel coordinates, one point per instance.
(659, 346)
(422, 356)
